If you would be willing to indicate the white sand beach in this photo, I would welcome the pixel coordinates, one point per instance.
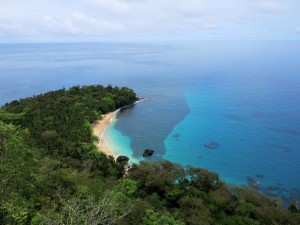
(99, 129)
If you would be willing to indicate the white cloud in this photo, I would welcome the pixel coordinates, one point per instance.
(56, 26)
(8, 29)
(189, 7)
(112, 5)
(99, 18)
(90, 24)
(79, 24)
(271, 6)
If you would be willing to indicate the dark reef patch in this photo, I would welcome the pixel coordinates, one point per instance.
(176, 136)
(259, 175)
(252, 183)
(211, 145)
(148, 152)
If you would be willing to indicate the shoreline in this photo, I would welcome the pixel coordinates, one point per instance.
(99, 129)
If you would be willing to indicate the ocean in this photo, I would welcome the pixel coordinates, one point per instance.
(232, 107)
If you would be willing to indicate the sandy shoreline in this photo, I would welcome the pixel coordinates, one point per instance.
(99, 128)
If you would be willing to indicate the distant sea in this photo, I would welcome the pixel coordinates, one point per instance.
(243, 96)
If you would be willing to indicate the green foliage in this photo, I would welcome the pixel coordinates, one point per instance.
(239, 220)
(8, 117)
(50, 135)
(293, 207)
(203, 179)
(245, 208)
(17, 210)
(15, 160)
(157, 177)
(108, 209)
(16, 177)
(60, 121)
(197, 196)
(193, 211)
(156, 201)
(154, 218)
(51, 148)
(52, 173)
(108, 104)
(127, 187)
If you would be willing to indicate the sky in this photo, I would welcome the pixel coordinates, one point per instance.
(85, 20)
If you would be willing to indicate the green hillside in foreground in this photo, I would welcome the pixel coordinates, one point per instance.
(52, 173)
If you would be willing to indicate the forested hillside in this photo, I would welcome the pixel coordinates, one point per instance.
(52, 173)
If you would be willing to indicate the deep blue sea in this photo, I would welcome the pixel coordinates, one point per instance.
(244, 96)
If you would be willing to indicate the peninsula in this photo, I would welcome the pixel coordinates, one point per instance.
(52, 173)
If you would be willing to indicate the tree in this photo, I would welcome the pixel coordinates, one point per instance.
(16, 175)
(193, 211)
(107, 210)
(203, 179)
(158, 176)
(293, 207)
(155, 218)
(239, 220)
(107, 104)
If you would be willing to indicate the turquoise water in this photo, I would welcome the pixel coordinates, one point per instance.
(118, 142)
(243, 95)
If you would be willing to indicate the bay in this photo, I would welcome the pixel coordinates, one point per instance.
(242, 95)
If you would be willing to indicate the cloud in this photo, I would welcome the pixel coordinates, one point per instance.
(8, 29)
(79, 24)
(56, 26)
(112, 5)
(90, 25)
(271, 6)
(130, 18)
(189, 8)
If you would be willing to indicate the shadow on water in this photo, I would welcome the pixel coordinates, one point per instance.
(149, 123)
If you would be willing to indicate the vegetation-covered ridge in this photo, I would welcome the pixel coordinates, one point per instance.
(52, 173)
